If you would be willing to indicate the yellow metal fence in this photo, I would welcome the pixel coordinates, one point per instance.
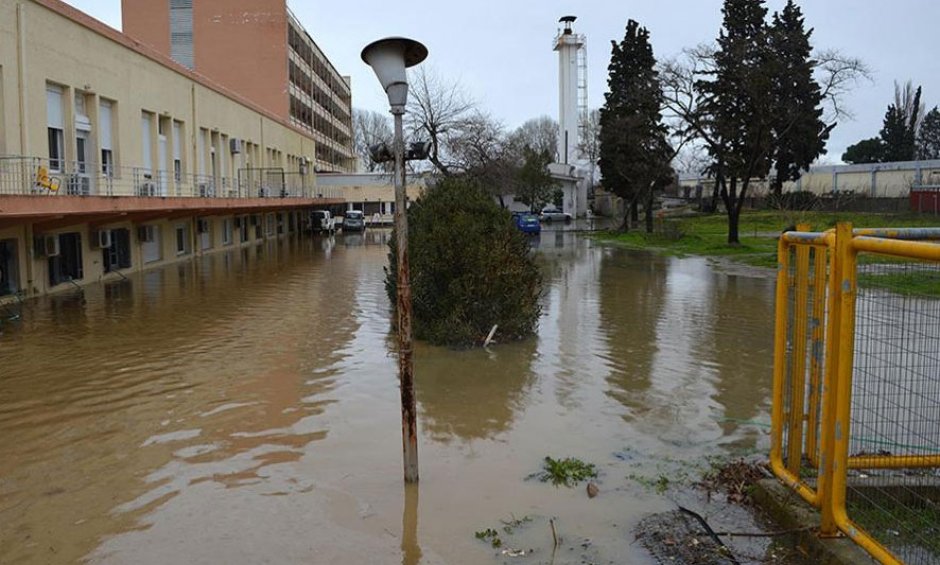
(856, 396)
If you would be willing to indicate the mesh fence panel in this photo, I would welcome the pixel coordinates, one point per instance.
(893, 488)
(805, 360)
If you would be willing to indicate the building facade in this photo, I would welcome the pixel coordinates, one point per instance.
(259, 49)
(115, 158)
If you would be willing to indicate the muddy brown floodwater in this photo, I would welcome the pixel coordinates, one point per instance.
(243, 408)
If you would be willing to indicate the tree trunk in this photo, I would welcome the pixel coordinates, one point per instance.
(734, 219)
(635, 210)
(648, 212)
(502, 203)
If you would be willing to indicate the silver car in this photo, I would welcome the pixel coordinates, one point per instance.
(354, 220)
(552, 214)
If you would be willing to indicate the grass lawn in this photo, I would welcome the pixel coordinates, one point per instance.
(708, 234)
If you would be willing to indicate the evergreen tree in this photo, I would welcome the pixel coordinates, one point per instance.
(798, 129)
(865, 151)
(634, 153)
(899, 131)
(738, 109)
(928, 138)
(534, 183)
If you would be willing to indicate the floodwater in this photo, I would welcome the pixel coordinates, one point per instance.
(244, 408)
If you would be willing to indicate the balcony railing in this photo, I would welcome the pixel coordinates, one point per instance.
(42, 177)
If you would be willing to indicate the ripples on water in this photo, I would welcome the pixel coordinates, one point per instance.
(244, 407)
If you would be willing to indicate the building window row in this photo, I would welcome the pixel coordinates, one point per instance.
(306, 49)
(306, 84)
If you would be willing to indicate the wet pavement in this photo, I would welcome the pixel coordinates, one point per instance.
(243, 408)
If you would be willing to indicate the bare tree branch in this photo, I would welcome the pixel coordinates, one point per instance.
(370, 128)
(436, 109)
(837, 74)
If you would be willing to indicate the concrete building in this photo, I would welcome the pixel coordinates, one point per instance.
(259, 49)
(115, 158)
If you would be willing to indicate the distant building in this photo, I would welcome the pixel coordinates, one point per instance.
(259, 49)
(876, 180)
(371, 193)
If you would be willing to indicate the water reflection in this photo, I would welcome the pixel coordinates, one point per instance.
(129, 387)
(410, 550)
(631, 301)
(481, 399)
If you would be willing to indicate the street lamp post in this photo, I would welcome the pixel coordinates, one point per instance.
(389, 58)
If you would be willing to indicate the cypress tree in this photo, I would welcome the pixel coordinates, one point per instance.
(928, 139)
(738, 108)
(634, 153)
(899, 131)
(799, 132)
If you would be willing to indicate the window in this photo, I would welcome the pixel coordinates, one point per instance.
(55, 123)
(181, 32)
(227, 231)
(270, 219)
(67, 265)
(182, 239)
(118, 256)
(9, 266)
(243, 229)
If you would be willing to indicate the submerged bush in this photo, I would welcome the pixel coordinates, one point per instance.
(470, 268)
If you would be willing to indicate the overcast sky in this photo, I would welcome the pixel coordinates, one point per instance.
(501, 50)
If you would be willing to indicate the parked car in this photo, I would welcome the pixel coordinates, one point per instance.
(527, 223)
(321, 221)
(552, 214)
(354, 220)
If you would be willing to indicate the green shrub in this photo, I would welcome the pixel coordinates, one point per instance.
(470, 268)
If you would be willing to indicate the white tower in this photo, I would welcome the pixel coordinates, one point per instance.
(572, 104)
(572, 89)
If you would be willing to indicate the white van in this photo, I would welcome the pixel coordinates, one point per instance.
(321, 221)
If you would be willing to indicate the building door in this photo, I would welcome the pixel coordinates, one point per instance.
(161, 163)
(118, 256)
(67, 265)
(9, 266)
(80, 182)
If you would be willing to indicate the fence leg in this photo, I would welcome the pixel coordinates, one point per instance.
(831, 475)
(798, 359)
(777, 417)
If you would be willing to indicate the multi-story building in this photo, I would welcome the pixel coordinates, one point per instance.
(259, 49)
(114, 157)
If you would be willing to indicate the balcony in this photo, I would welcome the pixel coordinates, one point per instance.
(32, 187)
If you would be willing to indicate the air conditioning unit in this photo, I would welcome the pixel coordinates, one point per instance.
(147, 188)
(235, 146)
(102, 239)
(46, 245)
(146, 234)
(205, 190)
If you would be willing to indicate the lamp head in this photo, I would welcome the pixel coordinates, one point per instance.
(389, 58)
